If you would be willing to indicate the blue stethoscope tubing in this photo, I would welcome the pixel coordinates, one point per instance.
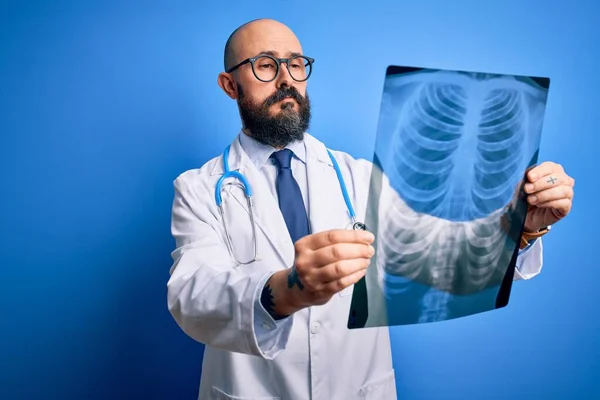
(248, 193)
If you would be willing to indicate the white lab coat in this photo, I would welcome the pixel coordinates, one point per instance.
(310, 355)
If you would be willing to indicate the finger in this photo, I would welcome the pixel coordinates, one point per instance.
(544, 169)
(549, 181)
(342, 283)
(341, 251)
(328, 238)
(307, 261)
(563, 206)
(551, 194)
(340, 269)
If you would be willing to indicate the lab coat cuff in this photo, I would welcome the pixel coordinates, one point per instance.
(529, 261)
(271, 336)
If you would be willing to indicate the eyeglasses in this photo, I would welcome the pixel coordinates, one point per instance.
(266, 67)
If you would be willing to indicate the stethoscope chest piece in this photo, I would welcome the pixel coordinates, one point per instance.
(359, 226)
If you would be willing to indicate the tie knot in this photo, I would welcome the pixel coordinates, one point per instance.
(283, 158)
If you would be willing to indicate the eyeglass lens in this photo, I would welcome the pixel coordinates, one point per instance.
(265, 68)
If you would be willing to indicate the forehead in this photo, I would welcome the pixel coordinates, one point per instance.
(267, 38)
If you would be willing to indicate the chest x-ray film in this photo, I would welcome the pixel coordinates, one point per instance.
(446, 202)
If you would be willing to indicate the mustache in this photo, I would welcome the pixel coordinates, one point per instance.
(280, 94)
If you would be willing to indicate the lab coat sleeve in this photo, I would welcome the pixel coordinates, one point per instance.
(271, 335)
(529, 261)
(212, 300)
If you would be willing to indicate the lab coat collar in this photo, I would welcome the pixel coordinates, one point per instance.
(314, 150)
(259, 153)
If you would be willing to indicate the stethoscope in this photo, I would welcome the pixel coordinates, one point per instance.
(245, 185)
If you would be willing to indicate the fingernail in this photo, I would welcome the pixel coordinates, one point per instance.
(371, 250)
(533, 175)
(368, 236)
(529, 187)
(532, 199)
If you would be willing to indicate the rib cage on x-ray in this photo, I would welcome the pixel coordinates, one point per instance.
(456, 156)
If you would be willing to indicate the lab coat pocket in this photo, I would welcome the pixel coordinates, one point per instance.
(383, 388)
(218, 394)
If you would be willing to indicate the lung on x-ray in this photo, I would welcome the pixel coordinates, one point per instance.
(446, 200)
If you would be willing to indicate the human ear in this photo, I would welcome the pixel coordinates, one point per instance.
(228, 85)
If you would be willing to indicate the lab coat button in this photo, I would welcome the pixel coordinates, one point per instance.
(315, 327)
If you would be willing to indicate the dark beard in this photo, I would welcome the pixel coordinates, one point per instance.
(288, 126)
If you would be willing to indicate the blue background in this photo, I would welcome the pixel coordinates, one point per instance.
(103, 104)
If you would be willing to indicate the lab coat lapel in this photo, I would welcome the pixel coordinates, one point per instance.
(266, 209)
(327, 207)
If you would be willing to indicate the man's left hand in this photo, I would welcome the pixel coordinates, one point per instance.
(550, 195)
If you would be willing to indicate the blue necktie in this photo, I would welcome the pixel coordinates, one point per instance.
(290, 197)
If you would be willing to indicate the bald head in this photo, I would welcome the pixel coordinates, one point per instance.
(271, 97)
(254, 37)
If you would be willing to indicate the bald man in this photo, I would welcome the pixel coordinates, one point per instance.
(267, 286)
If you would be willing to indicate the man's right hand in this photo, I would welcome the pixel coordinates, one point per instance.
(325, 264)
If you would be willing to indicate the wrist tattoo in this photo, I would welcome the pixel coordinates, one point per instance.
(294, 279)
(268, 302)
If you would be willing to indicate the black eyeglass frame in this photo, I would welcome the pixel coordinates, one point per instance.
(278, 62)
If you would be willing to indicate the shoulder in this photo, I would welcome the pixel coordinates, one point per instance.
(352, 163)
(198, 179)
(356, 172)
(347, 162)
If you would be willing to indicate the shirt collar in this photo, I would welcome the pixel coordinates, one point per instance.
(259, 153)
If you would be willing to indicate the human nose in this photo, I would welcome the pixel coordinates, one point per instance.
(283, 76)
